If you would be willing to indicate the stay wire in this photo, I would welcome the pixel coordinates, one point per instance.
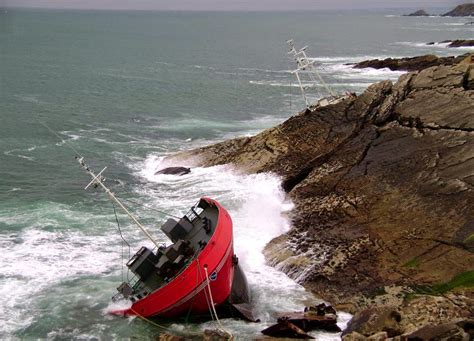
(79, 155)
(150, 208)
(124, 241)
(58, 136)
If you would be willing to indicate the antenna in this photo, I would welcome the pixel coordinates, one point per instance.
(98, 180)
(305, 65)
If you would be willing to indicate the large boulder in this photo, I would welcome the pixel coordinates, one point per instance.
(374, 320)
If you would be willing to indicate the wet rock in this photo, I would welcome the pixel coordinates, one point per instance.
(169, 337)
(320, 309)
(463, 10)
(174, 171)
(374, 320)
(461, 43)
(455, 43)
(354, 336)
(215, 335)
(320, 317)
(409, 64)
(285, 328)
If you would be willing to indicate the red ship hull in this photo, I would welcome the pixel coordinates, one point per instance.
(188, 292)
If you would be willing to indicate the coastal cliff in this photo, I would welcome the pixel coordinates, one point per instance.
(463, 10)
(383, 190)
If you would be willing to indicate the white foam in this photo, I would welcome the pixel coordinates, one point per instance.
(348, 72)
(258, 207)
(346, 59)
(38, 258)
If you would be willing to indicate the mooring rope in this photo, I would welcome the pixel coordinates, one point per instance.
(220, 326)
(150, 321)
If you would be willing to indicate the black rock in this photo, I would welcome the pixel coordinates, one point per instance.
(174, 171)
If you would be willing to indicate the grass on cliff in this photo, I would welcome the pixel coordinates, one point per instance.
(469, 239)
(462, 280)
(412, 263)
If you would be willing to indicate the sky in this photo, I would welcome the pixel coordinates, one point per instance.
(229, 5)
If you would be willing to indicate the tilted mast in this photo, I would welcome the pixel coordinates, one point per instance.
(304, 64)
(98, 180)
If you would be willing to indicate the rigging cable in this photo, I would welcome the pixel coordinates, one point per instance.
(149, 207)
(124, 241)
(220, 326)
(59, 137)
(79, 155)
(291, 94)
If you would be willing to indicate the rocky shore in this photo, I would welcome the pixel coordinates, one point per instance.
(411, 63)
(383, 224)
(463, 10)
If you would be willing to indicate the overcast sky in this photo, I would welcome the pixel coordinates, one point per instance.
(245, 5)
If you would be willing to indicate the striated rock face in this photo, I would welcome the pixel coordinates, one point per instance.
(464, 10)
(412, 63)
(382, 186)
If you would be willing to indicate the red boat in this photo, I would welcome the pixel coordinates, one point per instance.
(194, 275)
(197, 272)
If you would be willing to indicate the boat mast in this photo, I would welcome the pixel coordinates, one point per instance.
(303, 64)
(98, 180)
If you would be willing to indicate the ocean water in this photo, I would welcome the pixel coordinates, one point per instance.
(125, 89)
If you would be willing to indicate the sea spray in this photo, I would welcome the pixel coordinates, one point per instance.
(258, 207)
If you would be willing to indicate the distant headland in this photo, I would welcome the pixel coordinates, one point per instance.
(464, 10)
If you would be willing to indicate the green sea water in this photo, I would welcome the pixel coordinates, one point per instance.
(125, 89)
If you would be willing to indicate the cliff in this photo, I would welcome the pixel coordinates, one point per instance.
(383, 190)
(463, 10)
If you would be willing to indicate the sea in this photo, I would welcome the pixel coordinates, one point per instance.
(125, 89)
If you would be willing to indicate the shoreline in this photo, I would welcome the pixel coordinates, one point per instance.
(365, 236)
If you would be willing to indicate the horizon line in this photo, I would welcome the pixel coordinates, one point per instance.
(219, 10)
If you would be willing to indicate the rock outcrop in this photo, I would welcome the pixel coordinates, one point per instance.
(463, 10)
(461, 43)
(410, 63)
(419, 13)
(455, 43)
(383, 192)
